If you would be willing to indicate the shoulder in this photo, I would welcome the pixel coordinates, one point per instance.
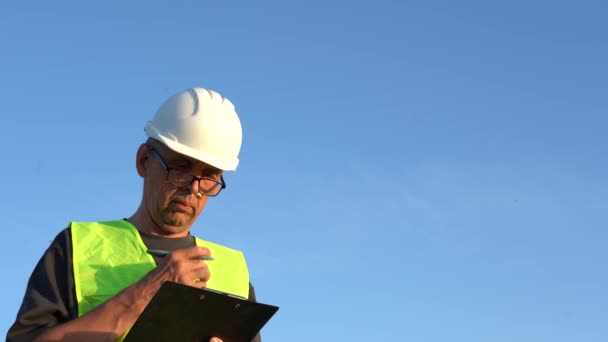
(121, 224)
(209, 244)
(90, 232)
(61, 243)
(48, 299)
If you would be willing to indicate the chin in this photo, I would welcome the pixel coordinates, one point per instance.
(177, 222)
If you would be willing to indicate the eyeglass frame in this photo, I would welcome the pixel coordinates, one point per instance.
(167, 169)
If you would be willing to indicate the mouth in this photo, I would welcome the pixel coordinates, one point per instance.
(181, 206)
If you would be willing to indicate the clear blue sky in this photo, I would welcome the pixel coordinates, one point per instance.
(422, 171)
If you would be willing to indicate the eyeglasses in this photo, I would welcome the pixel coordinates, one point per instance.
(206, 186)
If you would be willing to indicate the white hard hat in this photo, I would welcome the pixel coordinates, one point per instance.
(201, 124)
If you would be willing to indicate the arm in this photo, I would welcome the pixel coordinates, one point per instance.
(111, 319)
(49, 297)
(49, 301)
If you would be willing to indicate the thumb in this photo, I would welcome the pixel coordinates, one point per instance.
(215, 339)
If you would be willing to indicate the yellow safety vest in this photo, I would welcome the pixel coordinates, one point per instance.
(108, 257)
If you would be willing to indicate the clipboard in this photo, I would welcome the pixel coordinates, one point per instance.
(179, 312)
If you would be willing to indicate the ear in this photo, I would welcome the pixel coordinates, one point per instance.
(141, 160)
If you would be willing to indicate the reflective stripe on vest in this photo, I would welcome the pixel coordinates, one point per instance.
(110, 256)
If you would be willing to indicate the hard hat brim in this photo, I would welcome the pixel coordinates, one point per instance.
(175, 146)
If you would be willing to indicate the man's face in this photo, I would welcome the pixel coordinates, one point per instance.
(172, 209)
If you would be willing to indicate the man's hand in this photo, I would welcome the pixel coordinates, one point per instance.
(112, 318)
(184, 266)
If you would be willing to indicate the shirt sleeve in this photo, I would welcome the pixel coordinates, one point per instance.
(47, 301)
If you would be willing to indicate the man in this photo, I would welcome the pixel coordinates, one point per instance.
(97, 277)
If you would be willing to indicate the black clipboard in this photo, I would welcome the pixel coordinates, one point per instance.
(184, 313)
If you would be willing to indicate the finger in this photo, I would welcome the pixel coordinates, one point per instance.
(196, 282)
(215, 339)
(197, 277)
(196, 264)
(204, 274)
(193, 281)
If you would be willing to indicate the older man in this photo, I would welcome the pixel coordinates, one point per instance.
(96, 278)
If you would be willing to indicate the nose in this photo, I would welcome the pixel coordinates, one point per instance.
(195, 187)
